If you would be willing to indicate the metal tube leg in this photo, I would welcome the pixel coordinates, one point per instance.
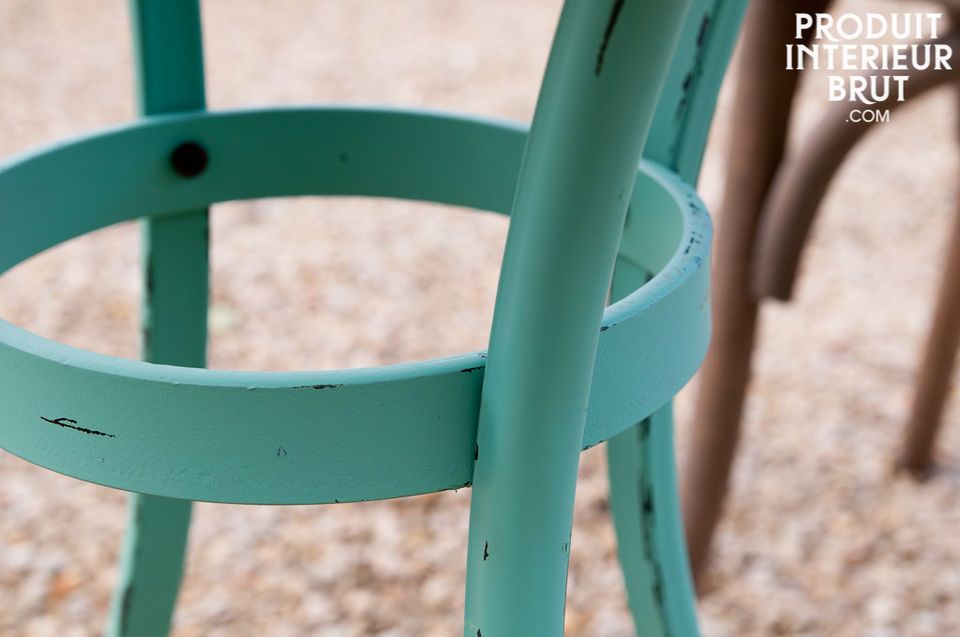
(646, 516)
(645, 507)
(151, 566)
(936, 368)
(170, 72)
(762, 110)
(642, 471)
(606, 68)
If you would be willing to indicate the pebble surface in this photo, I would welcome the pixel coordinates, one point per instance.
(820, 538)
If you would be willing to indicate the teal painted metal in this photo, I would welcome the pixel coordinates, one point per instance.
(644, 502)
(660, 591)
(180, 432)
(151, 565)
(270, 437)
(643, 495)
(682, 121)
(594, 110)
(169, 54)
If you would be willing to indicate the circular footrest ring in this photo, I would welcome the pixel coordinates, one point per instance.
(313, 437)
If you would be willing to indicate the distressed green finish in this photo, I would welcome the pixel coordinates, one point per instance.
(151, 564)
(682, 122)
(564, 373)
(643, 492)
(311, 437)
(594, 110)
(169, 62)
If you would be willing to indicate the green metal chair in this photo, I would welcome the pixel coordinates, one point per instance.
(562, 373)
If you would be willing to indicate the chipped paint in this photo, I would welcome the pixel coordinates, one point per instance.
(70, 423)
(608, 32)
(321, 386)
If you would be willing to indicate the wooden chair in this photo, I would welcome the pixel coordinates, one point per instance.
(769, 207)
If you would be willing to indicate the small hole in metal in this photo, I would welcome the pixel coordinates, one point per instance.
(189, 159)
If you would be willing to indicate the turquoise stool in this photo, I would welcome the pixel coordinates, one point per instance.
(562, 373)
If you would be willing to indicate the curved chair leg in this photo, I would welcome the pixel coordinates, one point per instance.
(168, 45)
(646, 515)
(645, 507)
(762, 110)
(594, 111)
(151, 567)
(936, 369)
(786, 223)
(801, 184)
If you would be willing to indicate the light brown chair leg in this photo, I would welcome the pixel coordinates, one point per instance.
(933, 383)
(761, 115)
(785, 225)
(802, 183)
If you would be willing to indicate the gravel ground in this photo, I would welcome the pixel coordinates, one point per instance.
(820, 537)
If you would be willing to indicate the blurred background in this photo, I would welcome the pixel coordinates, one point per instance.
(820, 537)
